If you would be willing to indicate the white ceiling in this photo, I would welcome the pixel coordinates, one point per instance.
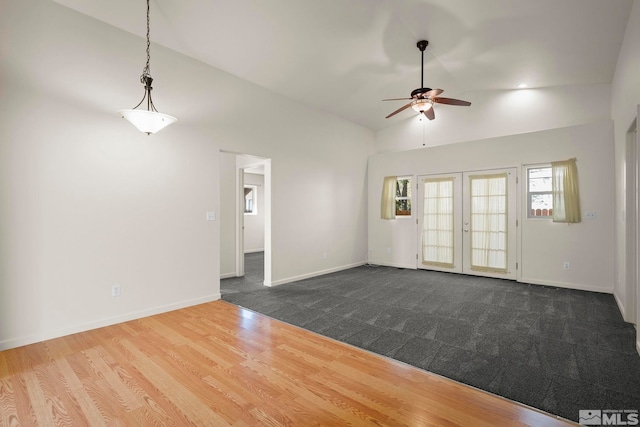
(345, 56)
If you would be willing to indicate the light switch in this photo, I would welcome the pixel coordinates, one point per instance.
(211, 216)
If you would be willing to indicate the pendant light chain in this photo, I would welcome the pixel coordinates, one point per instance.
(146, 72)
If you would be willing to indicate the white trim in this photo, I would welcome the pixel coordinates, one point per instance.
(577, 286)
(239, 220)
(57, 333)
(620, 305)
(314, 274)
(228, 275)
(251, 251)
(393, 265)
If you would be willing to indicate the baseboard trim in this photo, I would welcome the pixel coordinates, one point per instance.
(577, 286)
(314, 274)
(227, 275)
(57, 333)
(393, 265)
(253, 251)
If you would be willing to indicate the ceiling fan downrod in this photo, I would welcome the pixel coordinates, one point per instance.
(422, 45)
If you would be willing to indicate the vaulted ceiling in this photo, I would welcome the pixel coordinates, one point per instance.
(345, 56)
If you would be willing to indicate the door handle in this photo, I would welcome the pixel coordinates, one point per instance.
(466, 230)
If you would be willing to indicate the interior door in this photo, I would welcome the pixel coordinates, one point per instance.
(467, 223)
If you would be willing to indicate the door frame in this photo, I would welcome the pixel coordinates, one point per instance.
(631, 224)
(245, 161)
(515, 236)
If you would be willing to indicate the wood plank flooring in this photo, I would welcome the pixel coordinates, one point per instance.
(217, 364)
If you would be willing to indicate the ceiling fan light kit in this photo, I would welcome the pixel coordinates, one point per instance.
(421, 105)
(150, 120)
(423, 98)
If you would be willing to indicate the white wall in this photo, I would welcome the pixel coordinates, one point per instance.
(588, 246)
(499, 113)
(254, 224)
(625, 98)
(87, 201)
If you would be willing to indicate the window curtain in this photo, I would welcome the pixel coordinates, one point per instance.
(489, 218)
(566, 197)
(438, 230)
(388, 208)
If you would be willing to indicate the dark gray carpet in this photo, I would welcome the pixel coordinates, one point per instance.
(253, 276)
(558, 350)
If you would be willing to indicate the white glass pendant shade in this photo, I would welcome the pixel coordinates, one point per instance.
(147, 121)
(421, 105)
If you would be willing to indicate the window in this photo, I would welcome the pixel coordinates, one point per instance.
(539, 192)
(250, 203)
(403, 197)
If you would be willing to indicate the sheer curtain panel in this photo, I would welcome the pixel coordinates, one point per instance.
(489, 232)
(388, 208)
(566, 195)
(438, 232)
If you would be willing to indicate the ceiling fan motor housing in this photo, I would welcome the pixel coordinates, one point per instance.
(417, 92)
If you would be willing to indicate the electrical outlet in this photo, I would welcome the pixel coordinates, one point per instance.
(324, 255)
(590, 215)
(115, 291)
(566, 265)
(388, 250)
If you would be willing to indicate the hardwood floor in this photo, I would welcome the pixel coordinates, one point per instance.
(218, 364)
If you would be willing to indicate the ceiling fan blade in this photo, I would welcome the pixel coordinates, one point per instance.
(451, 101)
(432, 93)
(397, 99)
(404, 107)
(430, 114)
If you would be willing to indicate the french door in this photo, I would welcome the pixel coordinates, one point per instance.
(467, 223)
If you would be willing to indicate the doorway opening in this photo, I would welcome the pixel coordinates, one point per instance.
(245, 222)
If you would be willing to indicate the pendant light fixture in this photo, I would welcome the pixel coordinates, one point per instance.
(150, 120)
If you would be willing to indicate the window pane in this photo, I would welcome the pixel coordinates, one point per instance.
(403, 187)
(540, 179)
(541, 205)
(403, 207)
(250, 200)
(539, 185)
(403, 196)
(541, 201)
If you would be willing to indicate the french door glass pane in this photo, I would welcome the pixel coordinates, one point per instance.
(488, 226)
(437, 232)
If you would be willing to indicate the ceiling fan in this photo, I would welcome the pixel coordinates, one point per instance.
(423, 98)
